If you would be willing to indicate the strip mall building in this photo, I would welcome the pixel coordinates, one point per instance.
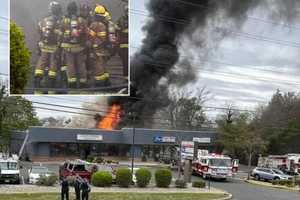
(60, 143)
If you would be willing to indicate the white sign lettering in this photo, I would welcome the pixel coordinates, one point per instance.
(90, 137)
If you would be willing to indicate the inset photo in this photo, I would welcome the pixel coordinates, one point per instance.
(68, 47)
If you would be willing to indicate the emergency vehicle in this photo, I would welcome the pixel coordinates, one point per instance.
(214, 165)
(9, 169)
(289, 163)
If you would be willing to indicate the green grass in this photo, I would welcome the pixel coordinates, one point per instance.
(116, 196)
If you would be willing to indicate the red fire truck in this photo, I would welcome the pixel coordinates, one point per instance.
(289, 163)
(214, 165)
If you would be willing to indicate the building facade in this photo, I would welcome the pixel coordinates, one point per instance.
(47, 143)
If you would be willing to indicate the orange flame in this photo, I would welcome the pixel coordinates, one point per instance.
(112, 118)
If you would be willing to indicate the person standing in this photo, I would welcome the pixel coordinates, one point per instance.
(123, 40)
(74, 45)
(50, 35)
(64, 189)
(77, 185)
(97, 41)
(86, 189)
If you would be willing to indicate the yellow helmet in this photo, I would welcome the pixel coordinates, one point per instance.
(100, 10)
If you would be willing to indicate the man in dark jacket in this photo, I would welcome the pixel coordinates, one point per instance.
(86, 189)
(64, 189)
(77, 185)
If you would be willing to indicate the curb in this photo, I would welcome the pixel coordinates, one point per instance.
(226, 198)
(273, 186)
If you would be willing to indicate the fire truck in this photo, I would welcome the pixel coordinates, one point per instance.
(289, 163)
(214, 165)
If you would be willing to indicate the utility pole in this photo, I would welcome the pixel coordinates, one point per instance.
(179, 161)
(133, 141)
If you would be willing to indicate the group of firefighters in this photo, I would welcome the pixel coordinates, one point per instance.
(81, 186)
(77, 46)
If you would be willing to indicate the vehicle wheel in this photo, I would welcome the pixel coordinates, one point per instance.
(204, 176)
(256, 176)
(276, 178)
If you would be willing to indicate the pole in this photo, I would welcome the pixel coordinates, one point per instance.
(133, 140)
(179, 162)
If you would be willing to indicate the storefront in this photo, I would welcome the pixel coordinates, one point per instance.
(148, 143)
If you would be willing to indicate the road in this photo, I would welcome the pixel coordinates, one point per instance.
(245, 191)
(236, 186)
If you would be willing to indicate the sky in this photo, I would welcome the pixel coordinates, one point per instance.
(4, 37)
(241, 71)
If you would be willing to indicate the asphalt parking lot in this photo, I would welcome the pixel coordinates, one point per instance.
(236, 186)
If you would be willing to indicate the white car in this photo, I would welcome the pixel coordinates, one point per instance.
(36, 172)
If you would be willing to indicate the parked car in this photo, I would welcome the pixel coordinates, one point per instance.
(269, 174)
(36, 172)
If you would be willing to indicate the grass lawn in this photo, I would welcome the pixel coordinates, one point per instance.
(116, 196)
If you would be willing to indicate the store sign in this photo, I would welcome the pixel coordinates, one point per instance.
(187, 149)
(160, 139)
(201, 140)
(90, 137)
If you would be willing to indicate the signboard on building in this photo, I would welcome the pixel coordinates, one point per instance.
(187, 149)
(165, 139)
(201, 140)
(89, 137)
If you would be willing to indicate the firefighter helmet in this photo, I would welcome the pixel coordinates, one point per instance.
(72, 8)
(55, 8)
(100, 10)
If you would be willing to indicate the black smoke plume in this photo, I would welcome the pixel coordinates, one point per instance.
(171, 22)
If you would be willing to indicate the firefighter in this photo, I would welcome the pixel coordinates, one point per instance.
(50, 35)
(74, 45)
(98, 41)
(123, 40)
(85, 190)
(64, 189)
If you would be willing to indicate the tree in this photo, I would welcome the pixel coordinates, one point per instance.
(279, 123)
(19, 60)
(16, 113)
(239, 136)
(185, 110)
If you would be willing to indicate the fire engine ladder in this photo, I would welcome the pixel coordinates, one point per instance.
(23, 145)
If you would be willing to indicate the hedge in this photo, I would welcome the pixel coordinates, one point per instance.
(163, 177)
(143, 177)
(288, 183)
(198, 184)
(102, 179)
(123, 177)
(180, 184)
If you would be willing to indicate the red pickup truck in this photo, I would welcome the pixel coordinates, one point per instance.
(73, 168)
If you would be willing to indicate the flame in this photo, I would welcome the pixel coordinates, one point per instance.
(112, 118)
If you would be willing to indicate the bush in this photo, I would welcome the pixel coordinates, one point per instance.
(102, 179)
(199, 184)
(98, 160)
(180, 184)
(143, 177)
(90, 158)
(288, 183)
(47, 180)
(123, 177)
(163, 177)
(297, 181)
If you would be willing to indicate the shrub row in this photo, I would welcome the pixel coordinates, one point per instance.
(47, 180)
(288, 183)
(199, 184)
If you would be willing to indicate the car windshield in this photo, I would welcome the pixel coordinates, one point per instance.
(39, 170)
(220, 162)
(8, 165)
(276, 171)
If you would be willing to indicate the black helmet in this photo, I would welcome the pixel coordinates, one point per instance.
(72, 8)
(55, 9)
(84, 10)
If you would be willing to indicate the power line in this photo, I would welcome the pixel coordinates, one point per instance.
(239, 34)
(248, 17)
(224, 63)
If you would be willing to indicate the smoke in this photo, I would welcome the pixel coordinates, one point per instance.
(179, 32)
